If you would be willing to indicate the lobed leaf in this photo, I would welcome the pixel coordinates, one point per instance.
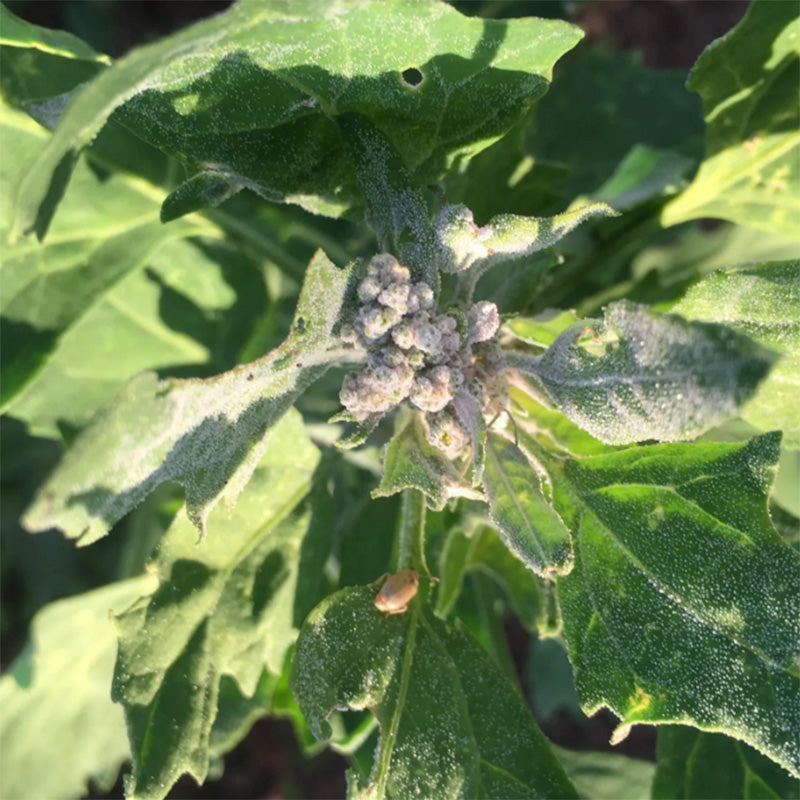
(641, 375)
(451, 723)
(682, 606)
(187, 94)
(230, 605)
(748, 82)
(59, 685)
(208, 435)
(762, 301)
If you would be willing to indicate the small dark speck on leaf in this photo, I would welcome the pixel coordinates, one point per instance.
(300, 324)
(250, 376)
(412, 77)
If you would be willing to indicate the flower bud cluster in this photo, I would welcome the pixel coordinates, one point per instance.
(414, 353)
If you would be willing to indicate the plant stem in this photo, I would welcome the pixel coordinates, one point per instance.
(411, 539)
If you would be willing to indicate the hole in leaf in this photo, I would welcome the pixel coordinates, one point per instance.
(412, 77)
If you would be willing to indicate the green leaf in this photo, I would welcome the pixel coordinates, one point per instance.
(484, 551)
(518, 495)
(17, 33)
(763, 301)
(643, 375)
(208, 435)
(462, 245)
(108, 229)
(549, 680)
(683, 604)
(550, 428)
(59, 688)
(675, 264)
(748, 82)
(642, 175)
(43, 70)
(693, 764)
(543, 329)
(184, 93)
(191, 309)
(410, 462)
(602, 105)
(451, 723)
(229, 605)
(608, 776)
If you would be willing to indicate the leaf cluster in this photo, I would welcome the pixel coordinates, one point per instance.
(186, 231)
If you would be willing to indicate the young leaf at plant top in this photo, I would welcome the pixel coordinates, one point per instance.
(451, 724)
(59, 684)
(748, 82)
(208, 435)
(681, 607)
(762, 301)
(641, 375)
(696, 764)
(230, 605)
(519, 508)
(183, 95)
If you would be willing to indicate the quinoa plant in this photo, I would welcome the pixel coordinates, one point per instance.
(361, 338)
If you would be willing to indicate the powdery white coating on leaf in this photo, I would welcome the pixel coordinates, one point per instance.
(224, 606)
(462, 245)
(682, 606)
(643, 375)
(762, 301)
(450, 722)
(207, 434)
(528, 524)
(271, 78)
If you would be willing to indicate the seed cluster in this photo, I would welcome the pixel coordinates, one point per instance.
(416, 353)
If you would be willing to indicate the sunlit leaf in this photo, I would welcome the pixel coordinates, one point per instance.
(519, 508)
(419, 87)
(641, 375)
(59, 687)
(748, 82)
(763, 301)
(108, 229)
(451, 723)
(683, 604)
(207, 434)
(230, 605)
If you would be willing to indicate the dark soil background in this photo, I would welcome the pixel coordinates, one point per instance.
(668, 34)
